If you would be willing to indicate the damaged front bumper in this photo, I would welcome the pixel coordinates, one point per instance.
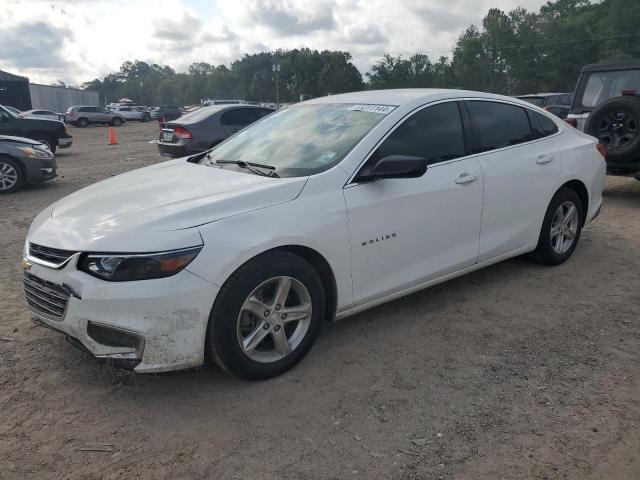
(150, 325)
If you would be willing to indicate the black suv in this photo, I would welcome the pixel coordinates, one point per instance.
(51, 133)
(606, 105)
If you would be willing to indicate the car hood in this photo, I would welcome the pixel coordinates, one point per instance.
(26, 141)
(127, 212)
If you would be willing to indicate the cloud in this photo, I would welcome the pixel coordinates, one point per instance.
(289, 17)
(35, 45)
(78, 40)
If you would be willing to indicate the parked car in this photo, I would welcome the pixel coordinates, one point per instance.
(51, 133)
(205, 128)
(42, 114)
(321, 210)
(556, 103)
(83, 116)
(168, 113)
(133, 113)
(23, 160)
(606, 105)
(208, 103)
(154, 111)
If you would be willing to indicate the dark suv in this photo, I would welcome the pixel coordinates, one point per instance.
(606, 105)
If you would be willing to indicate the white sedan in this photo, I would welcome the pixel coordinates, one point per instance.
(316, 212)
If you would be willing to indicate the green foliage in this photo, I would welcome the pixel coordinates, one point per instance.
(512, 53)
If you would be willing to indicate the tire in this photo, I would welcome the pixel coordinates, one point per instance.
(547, 251)
(51, 144)
(11, 176)
(616, 124)
(116, 122)
(82, 122)
(146, 118)
(231, 323)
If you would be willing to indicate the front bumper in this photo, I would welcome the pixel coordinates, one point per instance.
(40, 169)
(153, 325)
(65, 142)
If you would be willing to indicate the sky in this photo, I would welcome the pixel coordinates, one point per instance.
(78, 40)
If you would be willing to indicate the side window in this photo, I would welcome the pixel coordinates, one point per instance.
(564, 100)
(241, 116)
(84, 109)
(434, 133)
(542, 125)
(125, 109)
(497, 125)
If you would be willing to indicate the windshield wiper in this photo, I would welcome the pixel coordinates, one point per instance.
(253, 167)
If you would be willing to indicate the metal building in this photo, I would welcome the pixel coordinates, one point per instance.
(14, 91)
(58, 99)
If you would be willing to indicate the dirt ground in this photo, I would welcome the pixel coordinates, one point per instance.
(516, 371)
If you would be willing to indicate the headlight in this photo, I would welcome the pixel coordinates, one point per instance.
(35, 152)
(118, 267)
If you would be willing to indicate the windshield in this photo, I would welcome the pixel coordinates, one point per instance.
(200, 114)
(602, 86)
(304, 139)
(8, 111)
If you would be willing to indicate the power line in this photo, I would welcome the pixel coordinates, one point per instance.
(506, 46)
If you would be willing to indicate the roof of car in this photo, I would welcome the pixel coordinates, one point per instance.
(398, 97)
(534, 95)
(611, 65)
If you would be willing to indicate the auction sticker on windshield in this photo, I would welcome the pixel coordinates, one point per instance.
(384, 109)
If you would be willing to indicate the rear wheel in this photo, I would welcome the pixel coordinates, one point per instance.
(560, 229)
(11, 176)
(82, 122)
(266, 317)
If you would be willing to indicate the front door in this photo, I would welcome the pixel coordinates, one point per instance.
(406, 231)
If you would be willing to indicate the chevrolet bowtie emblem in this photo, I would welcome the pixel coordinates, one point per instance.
(25, 264)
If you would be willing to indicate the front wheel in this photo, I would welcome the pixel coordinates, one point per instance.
(266, 317)
(560, 229)
(50, 144)
(116, 122)
(11, 177)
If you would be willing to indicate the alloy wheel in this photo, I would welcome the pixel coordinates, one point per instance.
(564, 227)
(274, 319)
(8, 176)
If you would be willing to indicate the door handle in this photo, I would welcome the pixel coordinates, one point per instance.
(542, 159)
(465, 178)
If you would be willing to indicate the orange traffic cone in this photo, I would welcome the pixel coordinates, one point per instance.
(112, 137)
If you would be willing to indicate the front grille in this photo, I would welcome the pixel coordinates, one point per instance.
(45, 298)
(50, 255)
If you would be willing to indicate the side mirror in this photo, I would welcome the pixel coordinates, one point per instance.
(394, 166)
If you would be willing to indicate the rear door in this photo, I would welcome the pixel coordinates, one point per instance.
(519, 170)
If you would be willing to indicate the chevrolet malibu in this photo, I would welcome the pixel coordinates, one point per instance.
(318, 211)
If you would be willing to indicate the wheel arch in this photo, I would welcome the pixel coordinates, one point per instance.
(20, 163)
(580, 188)
(317, 261)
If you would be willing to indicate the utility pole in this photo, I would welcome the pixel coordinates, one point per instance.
(276, 69)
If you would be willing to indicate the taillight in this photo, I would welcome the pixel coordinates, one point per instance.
(181, 132)
(548, 109)
(572, 121)
(630, 92)
(602, 150)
